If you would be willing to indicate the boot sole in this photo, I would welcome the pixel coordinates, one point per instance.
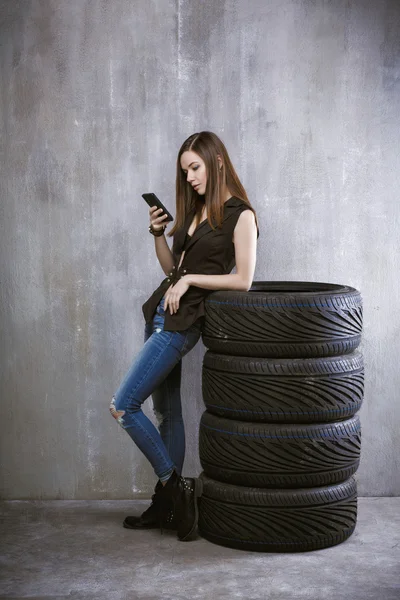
(149, 526)
(154, 525)
(198, 490)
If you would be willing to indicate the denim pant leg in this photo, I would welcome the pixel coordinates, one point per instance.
(167, 407)
(162, 351)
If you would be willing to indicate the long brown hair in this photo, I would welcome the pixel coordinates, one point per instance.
(207, 145)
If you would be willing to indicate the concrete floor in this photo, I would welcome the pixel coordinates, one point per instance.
(79, 550)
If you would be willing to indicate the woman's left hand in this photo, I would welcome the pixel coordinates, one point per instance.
(174, 294)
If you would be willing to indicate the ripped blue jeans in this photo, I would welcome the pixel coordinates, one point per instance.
(156, 371)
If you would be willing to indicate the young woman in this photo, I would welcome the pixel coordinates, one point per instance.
(215, 228)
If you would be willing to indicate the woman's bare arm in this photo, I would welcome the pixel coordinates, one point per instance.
(163, 252)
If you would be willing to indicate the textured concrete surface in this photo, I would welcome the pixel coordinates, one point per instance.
(95, 100)
(78, 550)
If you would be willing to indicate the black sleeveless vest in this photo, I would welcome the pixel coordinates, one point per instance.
(207, 252)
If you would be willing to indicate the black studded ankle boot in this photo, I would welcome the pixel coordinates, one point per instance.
(151, 516)
(180, 495)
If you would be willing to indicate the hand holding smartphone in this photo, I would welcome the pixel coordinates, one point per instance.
(152, 200)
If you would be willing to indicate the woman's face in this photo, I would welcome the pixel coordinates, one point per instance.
(194, 169)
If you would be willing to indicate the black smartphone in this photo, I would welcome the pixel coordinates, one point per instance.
(152, 200)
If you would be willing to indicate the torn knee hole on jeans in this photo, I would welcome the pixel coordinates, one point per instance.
(158, 330)
(117, 414)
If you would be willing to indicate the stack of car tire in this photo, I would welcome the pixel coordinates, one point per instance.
(280, 441)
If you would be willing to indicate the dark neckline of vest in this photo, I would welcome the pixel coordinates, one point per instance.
(206, 219)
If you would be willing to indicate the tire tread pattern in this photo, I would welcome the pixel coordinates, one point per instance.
(291, 324)
(283, 390)
(279, 455)
(278, 520)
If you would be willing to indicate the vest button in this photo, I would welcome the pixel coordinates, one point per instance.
(168, 279)
(184, 270)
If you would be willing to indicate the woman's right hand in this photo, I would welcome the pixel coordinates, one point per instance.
(156, 219)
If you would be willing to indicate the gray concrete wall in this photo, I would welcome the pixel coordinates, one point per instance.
(95, 99)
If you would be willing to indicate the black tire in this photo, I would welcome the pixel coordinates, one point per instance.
(285, 456)
(283, 390)
(277, 520)
(284, 319)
